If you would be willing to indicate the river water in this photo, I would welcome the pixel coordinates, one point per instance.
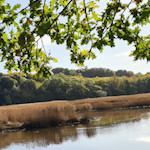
(112, 130)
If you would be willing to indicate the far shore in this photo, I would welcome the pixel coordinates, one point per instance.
(54, 113)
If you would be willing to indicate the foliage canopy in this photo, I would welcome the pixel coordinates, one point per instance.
(16, 89)
(74, 22)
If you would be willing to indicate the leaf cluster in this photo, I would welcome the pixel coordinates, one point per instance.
(76, 23)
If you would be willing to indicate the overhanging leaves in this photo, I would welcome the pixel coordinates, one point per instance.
(76, 23)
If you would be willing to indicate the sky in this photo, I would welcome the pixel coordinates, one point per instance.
(112, 58)
(115, 58)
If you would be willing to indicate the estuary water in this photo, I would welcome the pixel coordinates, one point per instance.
(111, 130)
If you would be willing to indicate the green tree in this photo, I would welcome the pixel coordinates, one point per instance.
(121, 73)
(148, 84)
(27, 91)
(7, 82)
(44, 93)
(8, 100)
(101, 93)
(76, 23)
(78, 91)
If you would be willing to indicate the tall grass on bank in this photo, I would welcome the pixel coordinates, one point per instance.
(36, 115)
(111, 102)
(39, 115)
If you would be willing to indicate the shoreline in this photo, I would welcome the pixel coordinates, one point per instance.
(55, 113)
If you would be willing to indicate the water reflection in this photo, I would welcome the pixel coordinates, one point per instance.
(39, 138)
(44, 137)
(142, 139)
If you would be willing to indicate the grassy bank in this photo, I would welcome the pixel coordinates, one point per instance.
(39, 115)
(112, 102)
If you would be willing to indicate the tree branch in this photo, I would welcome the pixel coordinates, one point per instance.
(26, 7)
(22, 10)
(88, 26)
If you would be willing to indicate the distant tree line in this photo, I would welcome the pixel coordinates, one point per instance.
(17, 89)
(93, 72)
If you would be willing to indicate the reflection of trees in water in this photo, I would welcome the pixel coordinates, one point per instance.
(119, 116)
(40, 138)
(90, 132)
(45, 137)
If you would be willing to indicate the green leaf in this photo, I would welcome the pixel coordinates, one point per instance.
(29, 21)
(36, 4)
(95, 16)
(84, 52)
(21, 39)
(52, 5)
(16, 7)
(2, 2)
(54, 59)
(5, 37)
(93, 56)
(46, 9)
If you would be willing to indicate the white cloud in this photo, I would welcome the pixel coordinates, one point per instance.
(142, 139)
(46, 41)
(123, 54)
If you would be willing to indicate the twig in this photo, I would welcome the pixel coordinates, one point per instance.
(22, 9)
(111, 23)
(25, 8)
(44, 47)
(88, 26)
(126, 7)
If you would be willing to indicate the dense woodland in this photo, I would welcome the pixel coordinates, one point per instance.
(93, 72)
(71, 84)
